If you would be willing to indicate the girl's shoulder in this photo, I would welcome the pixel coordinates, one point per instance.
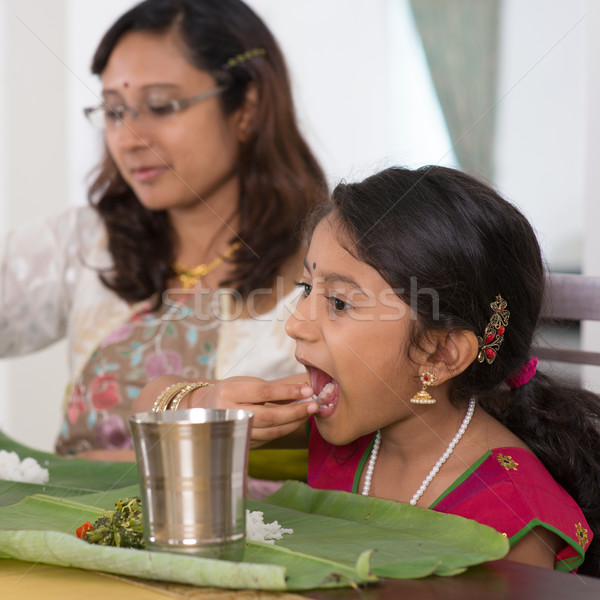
(512, 469)
(511, 490)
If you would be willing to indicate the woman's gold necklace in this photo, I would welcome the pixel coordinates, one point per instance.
(190, 276)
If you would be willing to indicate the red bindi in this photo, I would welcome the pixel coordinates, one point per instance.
(126, 84)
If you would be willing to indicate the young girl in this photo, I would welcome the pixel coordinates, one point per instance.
(421, 294)
(422, 291)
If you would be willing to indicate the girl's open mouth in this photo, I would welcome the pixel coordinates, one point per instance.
(326, 391)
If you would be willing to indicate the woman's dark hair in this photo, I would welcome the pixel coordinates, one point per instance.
(448, 245)
(280, 178)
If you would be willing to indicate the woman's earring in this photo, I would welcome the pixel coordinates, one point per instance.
(422, 396)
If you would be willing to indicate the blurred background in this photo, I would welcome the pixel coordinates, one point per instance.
(505, 89)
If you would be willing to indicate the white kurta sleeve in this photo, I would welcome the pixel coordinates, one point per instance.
(39, 265)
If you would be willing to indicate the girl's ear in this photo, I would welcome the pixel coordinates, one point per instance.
(453, 353)
(246, 114)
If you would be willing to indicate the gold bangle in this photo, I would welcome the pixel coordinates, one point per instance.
(185, 391)
(167, 395)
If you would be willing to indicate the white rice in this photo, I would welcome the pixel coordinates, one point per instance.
(28, 470)
(259, 531)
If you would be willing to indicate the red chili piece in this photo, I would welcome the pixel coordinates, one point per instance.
(83, 529)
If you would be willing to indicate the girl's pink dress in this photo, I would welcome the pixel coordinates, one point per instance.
(508, 489)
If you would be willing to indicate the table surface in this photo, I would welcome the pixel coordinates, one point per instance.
(499, 580)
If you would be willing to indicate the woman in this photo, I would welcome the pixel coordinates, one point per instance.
(203, 183)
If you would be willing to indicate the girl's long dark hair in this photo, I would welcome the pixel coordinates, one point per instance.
(280, 178)
(449, 244)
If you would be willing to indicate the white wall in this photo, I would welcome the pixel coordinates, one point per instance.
(45, 54)
(548, 138)
(34, 176)
(540, 142)
(86, 23)
(591, 244)
(350, 83)
(363, 104)
(4, 367)
(591, 239)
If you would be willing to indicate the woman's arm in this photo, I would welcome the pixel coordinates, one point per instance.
(108, 455)
(272, 402)
(34, 288)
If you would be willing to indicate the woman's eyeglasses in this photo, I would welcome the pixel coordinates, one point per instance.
(105, 116)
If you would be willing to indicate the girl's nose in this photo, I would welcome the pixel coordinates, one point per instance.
(302, 325)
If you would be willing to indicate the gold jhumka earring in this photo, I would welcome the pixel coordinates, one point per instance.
(422, 396)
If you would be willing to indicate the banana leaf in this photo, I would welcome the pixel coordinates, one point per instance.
(68, 476)
(339, 539)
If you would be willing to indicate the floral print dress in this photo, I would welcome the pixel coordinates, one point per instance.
(180, 338)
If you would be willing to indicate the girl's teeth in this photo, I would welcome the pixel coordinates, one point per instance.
(326, 391)
(322, 397)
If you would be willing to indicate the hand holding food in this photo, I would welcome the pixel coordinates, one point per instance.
(279, 407)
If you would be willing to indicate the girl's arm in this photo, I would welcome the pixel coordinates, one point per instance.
(539, 548)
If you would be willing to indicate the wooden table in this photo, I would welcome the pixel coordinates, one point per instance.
(500, 580)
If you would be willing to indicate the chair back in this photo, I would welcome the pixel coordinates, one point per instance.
(570, 298)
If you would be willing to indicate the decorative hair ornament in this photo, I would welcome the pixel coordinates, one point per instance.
(422, 396)
(494, 331)
(524, 375)
(238, 59)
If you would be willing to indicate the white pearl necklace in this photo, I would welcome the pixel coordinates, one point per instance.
(437, 466)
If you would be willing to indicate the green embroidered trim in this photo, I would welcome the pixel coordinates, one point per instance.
(464, 476)
(566, 564)
(361, 466)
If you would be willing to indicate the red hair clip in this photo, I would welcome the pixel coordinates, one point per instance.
(494, 331)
